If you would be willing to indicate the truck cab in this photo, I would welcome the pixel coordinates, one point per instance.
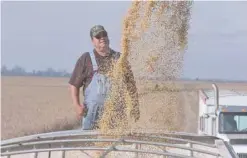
(223, 113)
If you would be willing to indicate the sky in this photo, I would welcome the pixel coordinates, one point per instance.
(41, 34)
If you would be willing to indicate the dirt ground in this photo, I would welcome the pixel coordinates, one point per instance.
(32, 105)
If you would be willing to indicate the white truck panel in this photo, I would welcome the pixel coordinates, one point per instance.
(230, 100)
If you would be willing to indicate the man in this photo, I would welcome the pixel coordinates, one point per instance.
(90, 72)
(230, 124)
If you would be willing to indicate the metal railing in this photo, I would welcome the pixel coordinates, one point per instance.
(141, 144)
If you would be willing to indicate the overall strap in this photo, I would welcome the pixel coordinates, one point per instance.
(94, 63)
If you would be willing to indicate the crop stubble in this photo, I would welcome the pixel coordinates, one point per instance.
(31, 105)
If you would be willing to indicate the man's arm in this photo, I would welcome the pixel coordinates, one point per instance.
(75, 83)
(75, 91)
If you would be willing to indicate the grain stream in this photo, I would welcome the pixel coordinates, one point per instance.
(153, 42)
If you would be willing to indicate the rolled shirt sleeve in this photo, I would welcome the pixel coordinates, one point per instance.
(77, 78)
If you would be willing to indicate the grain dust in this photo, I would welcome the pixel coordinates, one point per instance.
(153, 43)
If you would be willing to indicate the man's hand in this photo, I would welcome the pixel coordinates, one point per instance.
(80, 111)
(80, 108)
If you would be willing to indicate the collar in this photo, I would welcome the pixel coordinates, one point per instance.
(98, 55)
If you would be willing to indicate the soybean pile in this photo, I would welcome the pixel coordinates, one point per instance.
(153, 43)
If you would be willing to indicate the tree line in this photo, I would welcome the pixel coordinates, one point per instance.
(50, 72)
(20, 71)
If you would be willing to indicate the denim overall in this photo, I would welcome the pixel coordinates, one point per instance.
(94, 96)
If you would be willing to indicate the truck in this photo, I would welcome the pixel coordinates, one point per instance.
(223, 114)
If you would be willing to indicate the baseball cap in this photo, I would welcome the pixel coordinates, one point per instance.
(96, 30)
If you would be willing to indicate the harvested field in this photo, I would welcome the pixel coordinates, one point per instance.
(32, 105)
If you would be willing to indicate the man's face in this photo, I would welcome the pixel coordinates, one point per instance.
(101, 41)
